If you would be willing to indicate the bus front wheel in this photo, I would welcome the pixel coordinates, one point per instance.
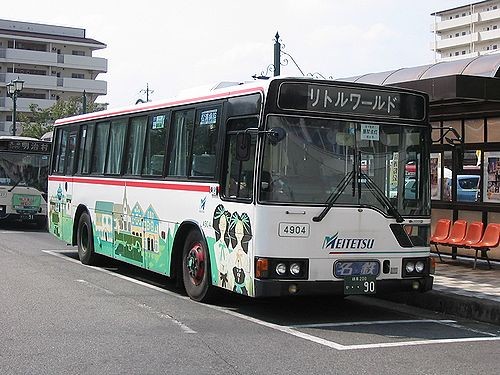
(85, 241)
(196, 268)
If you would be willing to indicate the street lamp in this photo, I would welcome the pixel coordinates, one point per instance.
(13, 89)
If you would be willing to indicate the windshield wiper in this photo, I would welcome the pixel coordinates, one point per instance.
(335, 195)
(382, 198)
(15, 184)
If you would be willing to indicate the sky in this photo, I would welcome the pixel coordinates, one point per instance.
(173, 46)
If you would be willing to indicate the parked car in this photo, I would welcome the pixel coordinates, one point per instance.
(467, 188)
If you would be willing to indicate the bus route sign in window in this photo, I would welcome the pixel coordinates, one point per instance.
(350, 101)
(26, 146)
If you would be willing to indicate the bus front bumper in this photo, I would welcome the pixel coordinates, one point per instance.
(276, 288)
(16, 217)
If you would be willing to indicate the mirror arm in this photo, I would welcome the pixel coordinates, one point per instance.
(259, 132)
(456, 140)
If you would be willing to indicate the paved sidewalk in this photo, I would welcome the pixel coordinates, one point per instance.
(458, 277)
(461, 291)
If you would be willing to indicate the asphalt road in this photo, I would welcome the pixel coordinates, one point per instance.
(58, 316)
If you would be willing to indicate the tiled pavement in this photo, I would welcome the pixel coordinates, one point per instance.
(458, 277)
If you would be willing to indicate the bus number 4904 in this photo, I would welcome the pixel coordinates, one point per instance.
(293, 230)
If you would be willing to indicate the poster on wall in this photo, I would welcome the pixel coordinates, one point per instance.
(492, 177)
(435, 174)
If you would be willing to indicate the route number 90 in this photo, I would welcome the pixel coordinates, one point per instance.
(369, 287)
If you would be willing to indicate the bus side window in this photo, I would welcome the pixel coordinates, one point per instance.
(238, 179)
(206, 130)
(81, 147)
(85, 153)
(156, 138)
(61, 150)
(100, 147)
(180, 140)
(135, 150)
(71, 153)
(116, 145)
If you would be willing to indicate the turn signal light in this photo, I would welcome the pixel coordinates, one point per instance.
(433, 266)
(262, 268)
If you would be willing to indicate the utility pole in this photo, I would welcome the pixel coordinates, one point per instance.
(84, 102)
(147, 92)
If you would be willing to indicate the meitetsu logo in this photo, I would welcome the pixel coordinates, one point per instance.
(336, 242)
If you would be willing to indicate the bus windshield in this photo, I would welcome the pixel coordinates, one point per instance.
(24, 170)
(325, 161)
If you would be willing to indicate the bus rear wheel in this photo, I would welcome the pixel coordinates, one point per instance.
(196, 268)
(85, 241)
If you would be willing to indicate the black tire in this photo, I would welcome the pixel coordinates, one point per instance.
(196, 268)
(85, 241)
(41, 222)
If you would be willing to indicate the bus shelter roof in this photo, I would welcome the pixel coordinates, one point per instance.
(482, 66)
(465, 87)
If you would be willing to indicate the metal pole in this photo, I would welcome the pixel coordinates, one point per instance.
(14, 99)
(277, 53)
(147, 92)
(84, 102)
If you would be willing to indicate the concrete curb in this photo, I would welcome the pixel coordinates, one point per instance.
(479, 309)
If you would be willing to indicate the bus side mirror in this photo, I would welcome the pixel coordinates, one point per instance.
(243, 145)
(275, 135)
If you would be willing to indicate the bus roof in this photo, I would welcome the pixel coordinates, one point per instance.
(190, 96)
(196, 95)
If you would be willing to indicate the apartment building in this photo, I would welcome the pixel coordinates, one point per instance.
(55, 62)
(467, 31)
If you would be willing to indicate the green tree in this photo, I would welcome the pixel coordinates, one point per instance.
(40, 121)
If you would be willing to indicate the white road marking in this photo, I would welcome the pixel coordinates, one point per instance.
(92, 285)
(373, 322)
(418, 342)
(291, 330)
(161, 315)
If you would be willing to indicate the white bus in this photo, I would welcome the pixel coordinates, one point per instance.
(24, 166)
(289, 186)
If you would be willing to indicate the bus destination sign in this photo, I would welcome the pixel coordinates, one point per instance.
(352, 101)
(27, 146)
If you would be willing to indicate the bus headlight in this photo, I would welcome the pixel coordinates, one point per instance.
(281, 269)
(416, 267)
(410, 267)
(419, 266)
(295, 269)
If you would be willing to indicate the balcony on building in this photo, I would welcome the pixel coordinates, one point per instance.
(21, 56)
(454, 23)
(441, 44)
(45, 82)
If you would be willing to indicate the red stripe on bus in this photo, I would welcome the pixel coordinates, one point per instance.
(166, 105)
(141, 184)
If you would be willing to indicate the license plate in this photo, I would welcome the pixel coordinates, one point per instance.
(359, 285)
(356, 268)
